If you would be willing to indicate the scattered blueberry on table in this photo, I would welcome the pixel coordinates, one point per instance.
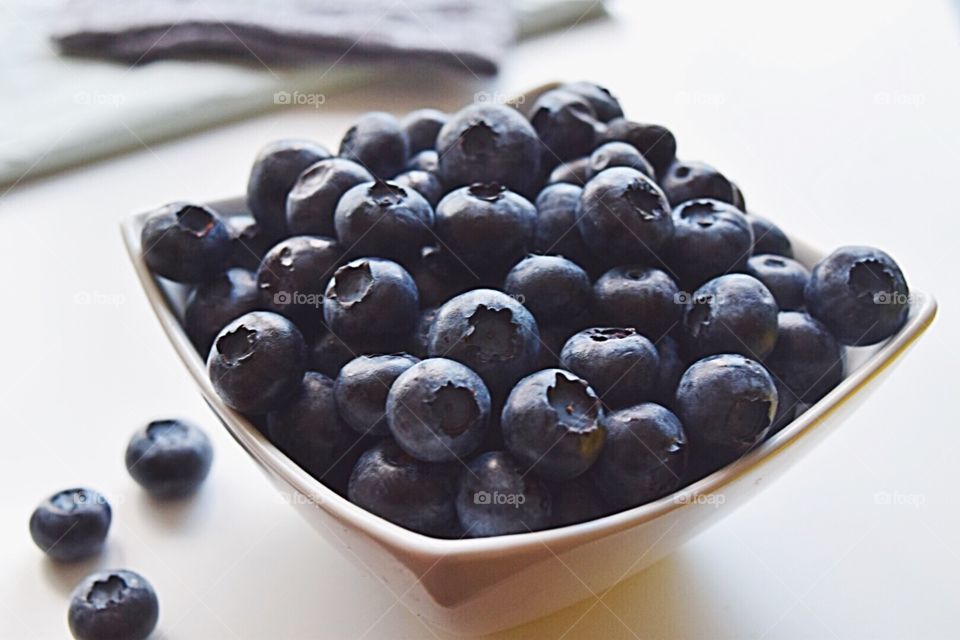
(169, 458)
(113, 605)
(71, 525)
(506, 319)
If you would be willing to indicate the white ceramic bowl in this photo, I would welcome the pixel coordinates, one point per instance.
(476, 586)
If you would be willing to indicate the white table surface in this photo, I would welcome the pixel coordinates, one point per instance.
(837, 120)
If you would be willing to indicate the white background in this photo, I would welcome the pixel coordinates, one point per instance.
(837, 119)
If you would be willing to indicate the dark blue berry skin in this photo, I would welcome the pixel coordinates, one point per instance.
(497, 497)
(566, 124)
(313, 200)
(378, 142)
(329, 353)
(186, 242)
(440, 276)
(438, 410)
(672, 366)
(399, 488)
(788, 408)
(551, 423)
(619, 154)
(656, 143)
(71, 525)
(645, 456)
(734, 313)
(710, 238)
(383, 219)
(784, 277)
(427, 160)
(604, 104)
(361, 390)
(695, 181)
(486, 226)
(643, 298)
(807, 359)
(275, 171)
(248, 241)
(489, 143)
(575, 172)
(726, 404)
(257, 361)
(169, 458)
(115, 604)
(425, 183)
(554, 289)
(860, 294)
(556, 228)
(293, 277)
(768, 237)
(215, 303)
(491, 333)
(624, 217)
(421, 334)
(422, 127)
(371, 297)
(619, 363)
(576, 501)
(308, 428)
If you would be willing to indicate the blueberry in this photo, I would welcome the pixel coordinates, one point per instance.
(426, 183)
(768, 237)
(566, 124)
(486, 226)
(726, 403)
(169, 458)
(495, 497)
(313, 200)
(556, 228)
(644, 458)
(293, 277)
(489, 143)
(604, 104)
(654, 142)
(257, 361)
(738, 200)
(413, 494)
(551, 424)
(421, 335)
(552, 339)
(383, 219)
(116, 605)
(622, 365)
(576, 501)
(215, 303)
(734, 313)
(248, 242)
(308, 429)
(185, 242)
(71, 525)
(491, 333)
(329, 353)
(275, 171)
(860, 294)
(624, 216)
(554, 289)
(427, 160)
(787, 408)
(371, 297)
(438, 410)
(619, 154)
(710, 238)
(361, 390)
(422, 127)
(672, 367)
(784, 277)
(377, 141)
(697, 180)
(441, 275)
(576, 172)
(640, 297)
(807, 358)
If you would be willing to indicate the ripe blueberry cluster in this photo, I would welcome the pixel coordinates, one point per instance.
(492, 322)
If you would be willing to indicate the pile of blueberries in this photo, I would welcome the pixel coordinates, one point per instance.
(488, 323)
(170, 459)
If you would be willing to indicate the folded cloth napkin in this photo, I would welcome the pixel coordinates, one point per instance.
(470, 34)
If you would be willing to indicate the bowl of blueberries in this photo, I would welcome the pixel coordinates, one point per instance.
(507, 357)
